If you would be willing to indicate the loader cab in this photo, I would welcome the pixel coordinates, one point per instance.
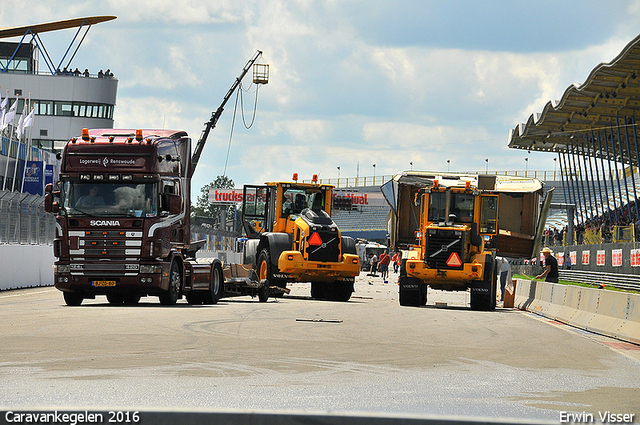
(274, 207)
(455, 207)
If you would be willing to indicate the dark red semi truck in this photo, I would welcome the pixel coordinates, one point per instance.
(122, 213)
(122, 210)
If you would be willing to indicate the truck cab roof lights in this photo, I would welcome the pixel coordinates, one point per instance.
(111, 139)
(85, 134)
(436, 183)
(295, 177)
(467, 185)
(73, 140)
(129, 139)
(315, 178)
(139, 137)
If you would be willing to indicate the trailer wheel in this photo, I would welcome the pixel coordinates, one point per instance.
(72, 298)
(171, 296)
(216, 290)
(263, 292)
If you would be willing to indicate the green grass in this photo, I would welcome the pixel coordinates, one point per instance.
(566, 282)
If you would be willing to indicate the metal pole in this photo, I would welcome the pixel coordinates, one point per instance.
(604, 179)
(564, 186)
(617, 172)
(613, 189)
(624, 174)
(594, 213)
(597, 172)
(581, 191)
(574, 184)
(633, 178)
(635, 139)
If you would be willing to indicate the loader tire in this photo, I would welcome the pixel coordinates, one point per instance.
(483, 297)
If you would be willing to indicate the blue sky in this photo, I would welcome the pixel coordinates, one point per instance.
(352, 83)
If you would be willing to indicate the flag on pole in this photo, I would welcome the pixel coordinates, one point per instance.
(11, 113)
(28, 121)
(20, 128)
(3, 106)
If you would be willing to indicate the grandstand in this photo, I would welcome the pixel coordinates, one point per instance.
(364, 221)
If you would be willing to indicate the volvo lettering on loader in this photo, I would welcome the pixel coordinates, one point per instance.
(453, 225)
(292, 238)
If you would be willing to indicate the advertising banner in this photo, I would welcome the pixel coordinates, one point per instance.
(48, 174)
(33, 178)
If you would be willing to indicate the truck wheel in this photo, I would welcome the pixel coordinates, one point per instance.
(339, 291)
(171, 296)
(410, 292)
(216, 288)
(485, 299)
(115, 298)
(72, 298)
(131, 299)
(194, 298)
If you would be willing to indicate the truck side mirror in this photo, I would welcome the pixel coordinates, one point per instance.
(172, 203)
(50, 206)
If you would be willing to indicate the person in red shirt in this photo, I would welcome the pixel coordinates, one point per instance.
(385, 259)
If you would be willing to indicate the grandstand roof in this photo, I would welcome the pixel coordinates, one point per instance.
(610, 94)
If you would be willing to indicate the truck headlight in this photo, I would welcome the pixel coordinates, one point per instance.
(149, 268)
(63, 268)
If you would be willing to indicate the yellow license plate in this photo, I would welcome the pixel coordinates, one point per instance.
(104, 283)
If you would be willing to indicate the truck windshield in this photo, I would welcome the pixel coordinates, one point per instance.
(460, 205)
(438, 206)
(110, 199)
(294, 201)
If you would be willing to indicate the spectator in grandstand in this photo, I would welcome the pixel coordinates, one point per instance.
(385, 259)
(567, 261)
(550, 274)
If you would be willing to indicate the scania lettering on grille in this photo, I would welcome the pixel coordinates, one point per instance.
(104, 223)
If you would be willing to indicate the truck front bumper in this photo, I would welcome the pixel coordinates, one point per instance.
(445, 277)
(293, 264)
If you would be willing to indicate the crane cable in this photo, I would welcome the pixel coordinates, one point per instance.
(235, 109)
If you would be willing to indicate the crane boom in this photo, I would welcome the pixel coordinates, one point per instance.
(217, 113)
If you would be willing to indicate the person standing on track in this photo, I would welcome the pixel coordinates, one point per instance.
(551, 267)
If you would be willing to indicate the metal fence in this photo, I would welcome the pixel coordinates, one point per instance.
(23, 220)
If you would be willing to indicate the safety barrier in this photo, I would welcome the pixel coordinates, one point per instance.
(26, 266)
(614, 314)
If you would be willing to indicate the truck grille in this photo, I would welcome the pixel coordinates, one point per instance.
(328, 250)
(441, 244)
(104, 252)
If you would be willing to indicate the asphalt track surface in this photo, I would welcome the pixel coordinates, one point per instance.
(294, 353)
